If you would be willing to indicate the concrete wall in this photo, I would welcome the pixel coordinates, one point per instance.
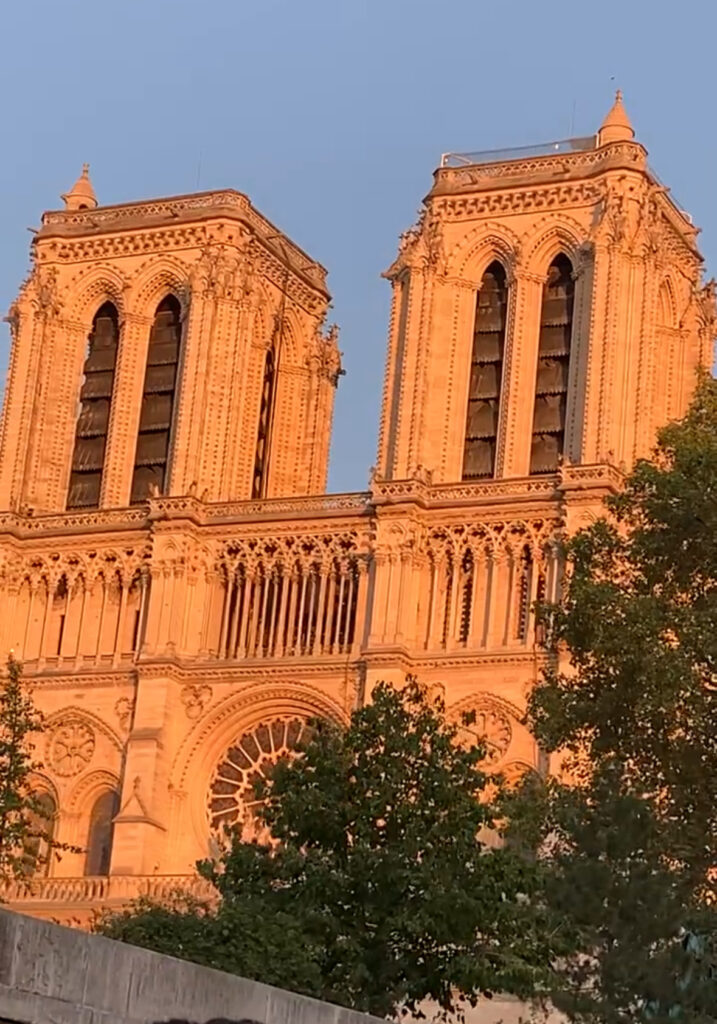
(53, 974)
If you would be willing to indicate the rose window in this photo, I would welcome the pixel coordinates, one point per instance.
(232, 797)
(493, 729)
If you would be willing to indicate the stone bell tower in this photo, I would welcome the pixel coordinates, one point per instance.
(183, 594)
(172, 346)
(547, 307)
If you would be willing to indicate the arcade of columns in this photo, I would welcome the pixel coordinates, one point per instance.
(181, 591)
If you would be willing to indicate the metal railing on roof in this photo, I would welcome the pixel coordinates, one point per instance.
(490, 156)
(670, 193)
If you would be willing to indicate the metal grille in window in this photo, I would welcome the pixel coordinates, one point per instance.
(261, 461)
(88, 457)
(467, 584)
(551, 387)
(155, 423)
(524, 574)
(232, 796)
(486, 375)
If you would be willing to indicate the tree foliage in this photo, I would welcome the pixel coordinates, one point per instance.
(378, 892)
(25, 842)
(630, 835)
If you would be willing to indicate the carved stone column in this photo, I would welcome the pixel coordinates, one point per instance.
(140, 826)
(155, 600)
(58, 434)
(380, 572)
(126, 410)
(362, 625)
(189, 417)
(9, 596)
(519, 376)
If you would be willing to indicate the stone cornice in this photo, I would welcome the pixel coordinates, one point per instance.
(348, 510)
(498, 202)
(123, 678)
(178, 211)
(246, 671)
(98, 521)
(389, 492)
(390, 657)
(560, 167)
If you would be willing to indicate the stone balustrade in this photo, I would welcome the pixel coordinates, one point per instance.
(45, 897)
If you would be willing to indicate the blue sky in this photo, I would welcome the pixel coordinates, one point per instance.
(331, 115)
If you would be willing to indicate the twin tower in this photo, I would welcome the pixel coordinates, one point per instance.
(181, 591)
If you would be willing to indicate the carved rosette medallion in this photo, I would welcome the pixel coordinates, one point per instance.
(232, 799)
(492, 727)
(70, 747)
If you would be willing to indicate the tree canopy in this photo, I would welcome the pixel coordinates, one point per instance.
(25, 839)
(630, 833)
(378, 891)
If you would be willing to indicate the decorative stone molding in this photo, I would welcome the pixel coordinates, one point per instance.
(492, 724)
(70, 747)
(556, 197)
(586, 163)
(195, 697)
(251, 705)
(124, 707)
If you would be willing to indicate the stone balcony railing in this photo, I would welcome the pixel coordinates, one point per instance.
(67, 898)
(359, 503)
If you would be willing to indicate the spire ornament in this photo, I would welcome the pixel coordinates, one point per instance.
(82, 195)
(617, 126)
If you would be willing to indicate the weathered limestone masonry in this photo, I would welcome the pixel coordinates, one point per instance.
(49, 973)
(181, 591)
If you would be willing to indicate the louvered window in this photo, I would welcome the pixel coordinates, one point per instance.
(486, 375)
(551, 386)
(88, 457)
(160, 380)
(261, 461)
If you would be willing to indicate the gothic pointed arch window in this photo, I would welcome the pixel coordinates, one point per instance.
(551, 384)
(486, 374)
(88, 456)
(99, 834)
(266, 408)
(41, 833)
(158, 400)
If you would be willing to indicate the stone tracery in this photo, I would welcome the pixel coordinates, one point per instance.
(70, 746)
(491, 725)
(290, 596)
(232, 799)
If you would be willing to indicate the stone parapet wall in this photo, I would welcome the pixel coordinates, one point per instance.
(50, 973)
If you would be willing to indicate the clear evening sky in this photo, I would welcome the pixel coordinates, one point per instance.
(332, 115)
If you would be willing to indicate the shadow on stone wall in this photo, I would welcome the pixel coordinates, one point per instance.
(214, 1020)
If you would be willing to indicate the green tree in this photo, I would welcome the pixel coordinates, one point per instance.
(25, 840)
(630, 834)
(378, 892)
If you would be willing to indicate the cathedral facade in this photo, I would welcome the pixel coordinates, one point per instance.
(181, 590)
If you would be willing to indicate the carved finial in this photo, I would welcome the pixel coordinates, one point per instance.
(617, 126)
(82, 195)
